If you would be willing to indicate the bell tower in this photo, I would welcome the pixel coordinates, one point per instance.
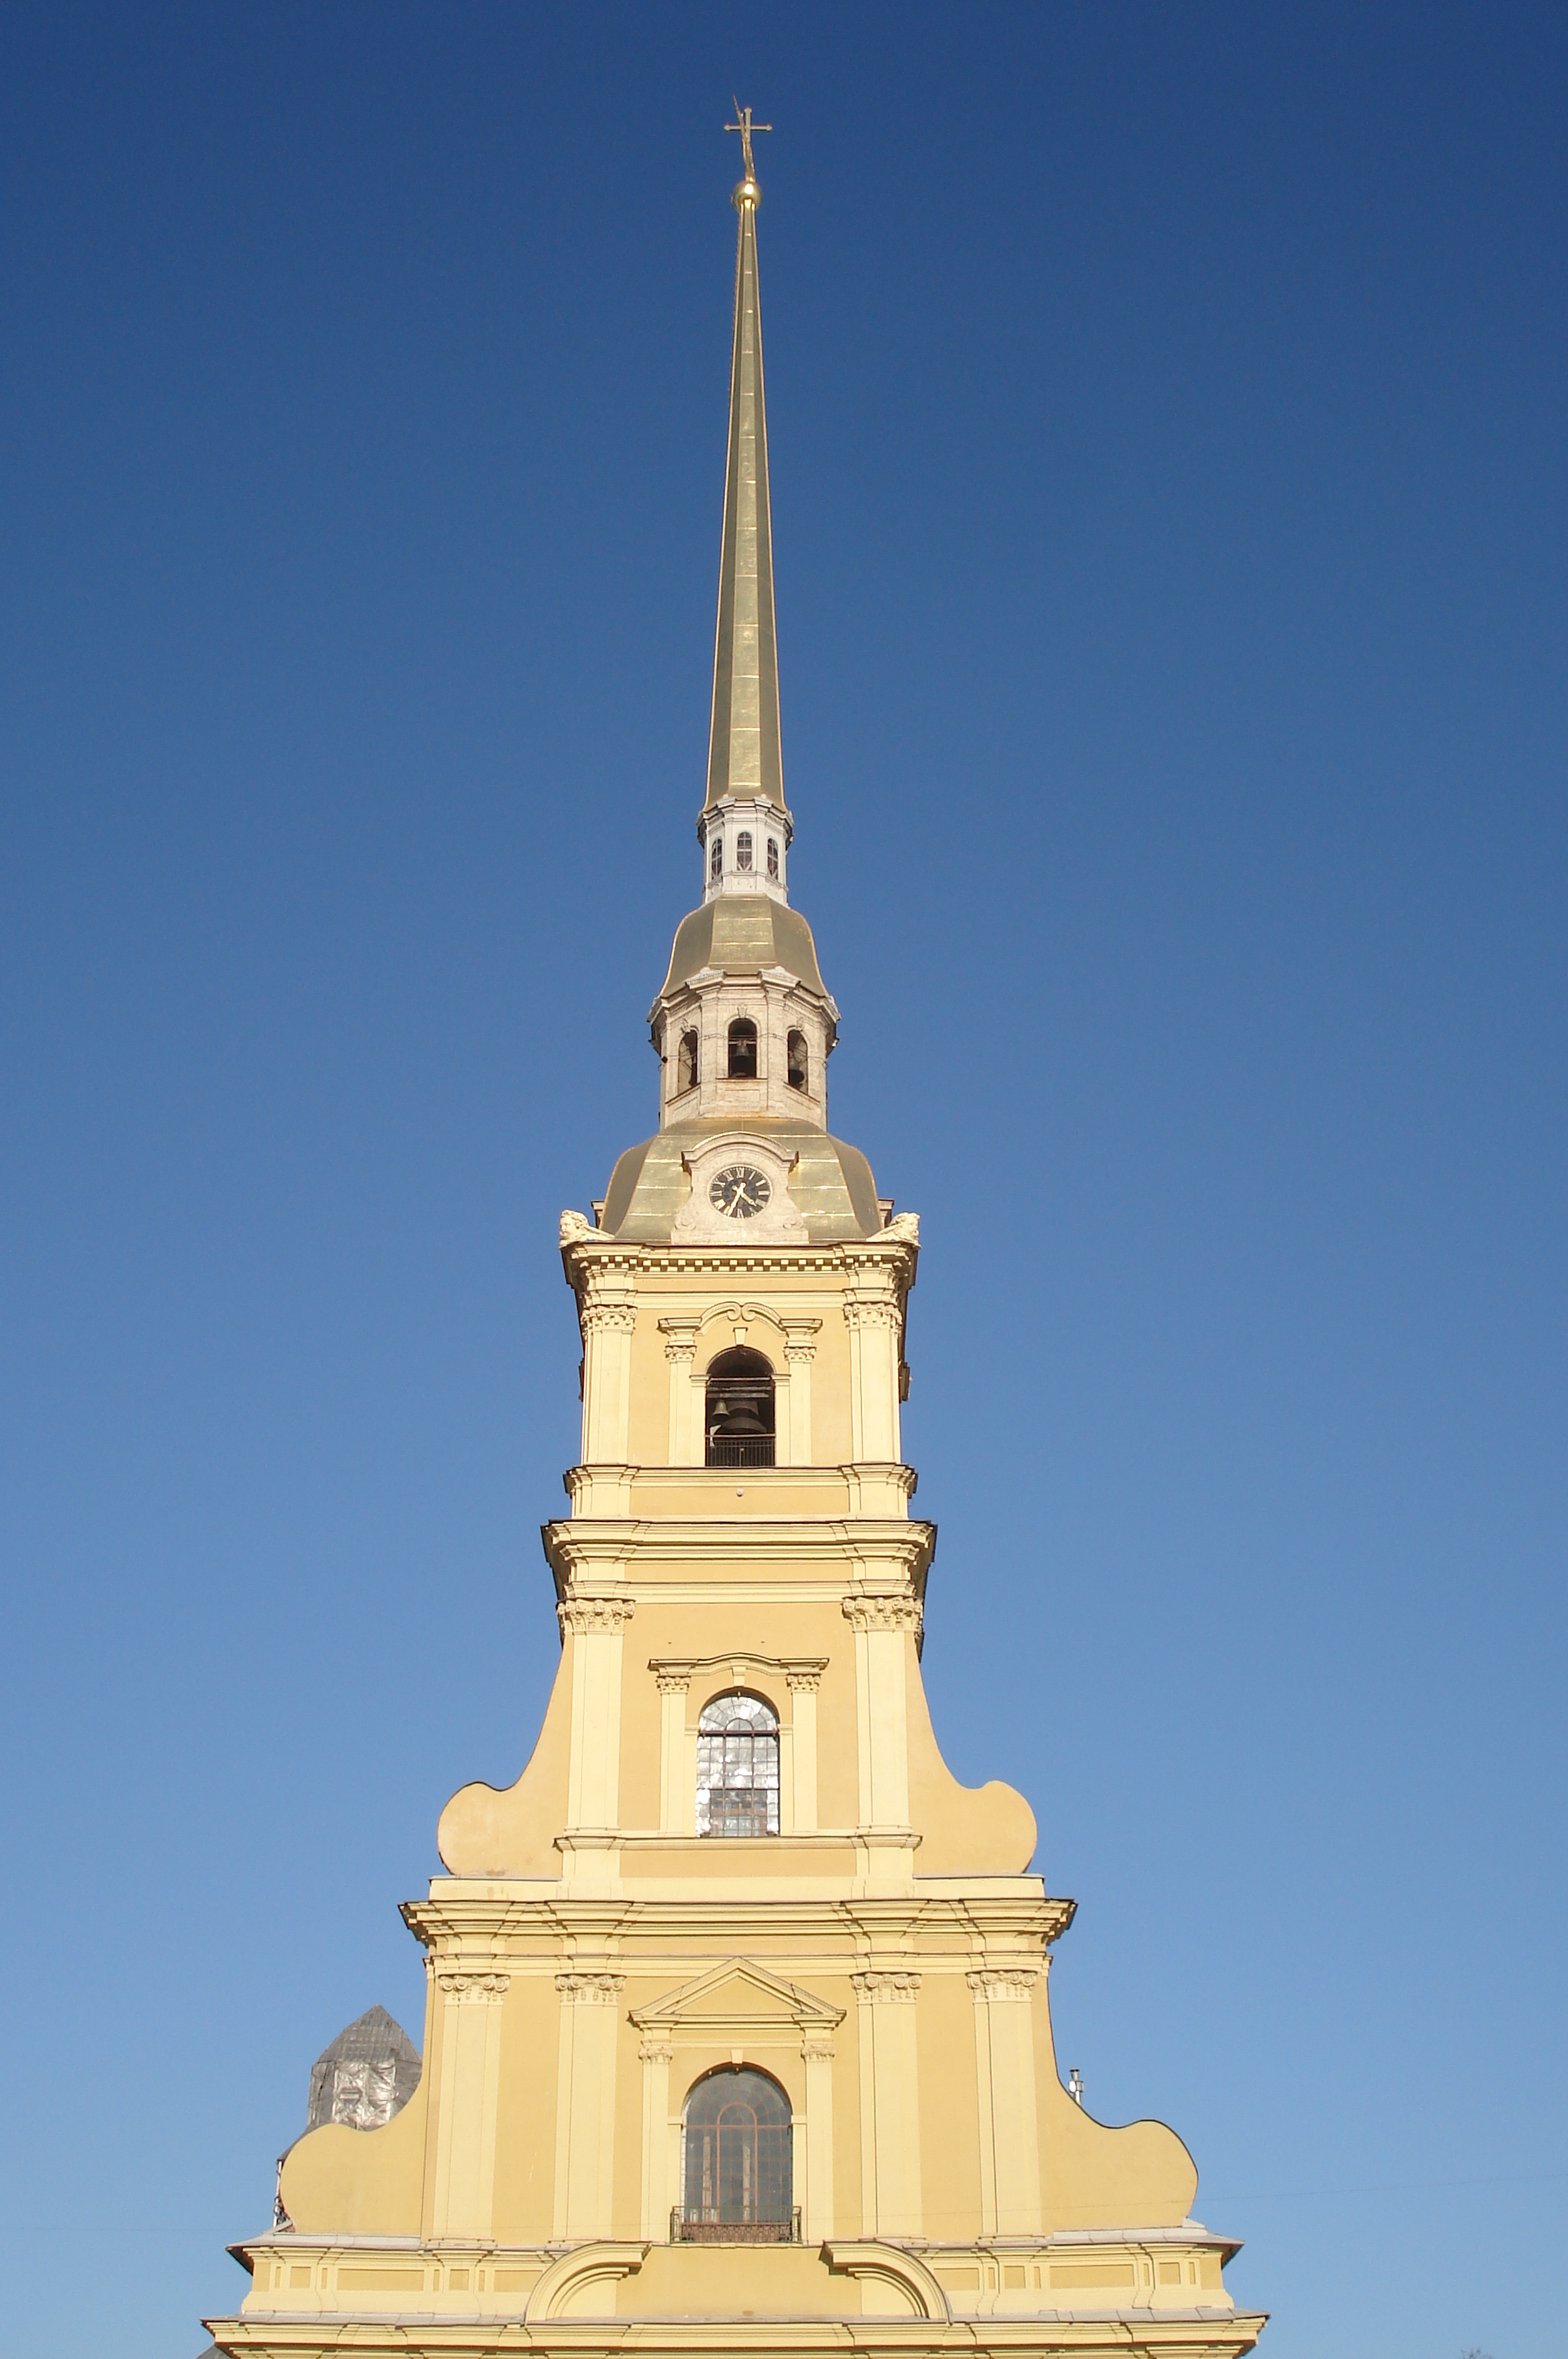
(738, 2034)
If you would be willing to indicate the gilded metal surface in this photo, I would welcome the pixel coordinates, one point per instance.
(744, 757)
(830, 1183)
(745, 933)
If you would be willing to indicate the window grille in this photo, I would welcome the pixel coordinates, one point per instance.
(773, 858)
(737, 1768)
(716, 858)
(743, 850)
(739, 1420)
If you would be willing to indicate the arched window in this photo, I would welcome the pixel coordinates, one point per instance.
(739, 2163)
(737, 1768)
(716, 858)
(799, 1062)
(686, 1063)
(742, 1050)
(739, 1420)
(773, 858)
(743, 850)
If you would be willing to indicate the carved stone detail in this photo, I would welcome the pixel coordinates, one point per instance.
(1003, 1982)
(671, 1682)
(882, 1613)
(804, 1679)
(590, 1990)
(656, 2051)
(608, 1318)
(679, 1340)
(884, 1988)
(460, 1985)
(582, 1615)
(859, 1313)
(800, 1341)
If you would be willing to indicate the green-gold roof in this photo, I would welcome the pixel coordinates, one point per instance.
(830, 1183)
(742, 933)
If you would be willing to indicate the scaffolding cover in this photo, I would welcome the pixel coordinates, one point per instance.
(368, 2073)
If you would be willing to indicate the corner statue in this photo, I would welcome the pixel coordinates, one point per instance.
(737, 2035)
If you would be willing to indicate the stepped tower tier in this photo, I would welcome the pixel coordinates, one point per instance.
(737, 2035)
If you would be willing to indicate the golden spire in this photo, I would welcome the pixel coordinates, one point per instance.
(744, 757)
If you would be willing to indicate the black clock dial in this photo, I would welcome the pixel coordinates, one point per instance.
(740, 1190)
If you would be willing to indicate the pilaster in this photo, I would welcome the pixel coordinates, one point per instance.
(674, 1686)
(469, 2007)
(607, 1309)
(657, 2196)
(881, 1624)
(800, 1350)
(1004, 2063)
(685, 1395)
(592, 1627)
(805, 1684)
(585, 2105)
(874, 1318)
(890, 2103)
(817, 2180)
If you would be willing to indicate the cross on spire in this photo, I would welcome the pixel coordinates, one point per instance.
(746, 126)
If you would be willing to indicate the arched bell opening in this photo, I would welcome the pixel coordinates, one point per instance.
(686, 1063)
(739, 1417)
(799, 1065)
(739, 2162)
(742, 1050)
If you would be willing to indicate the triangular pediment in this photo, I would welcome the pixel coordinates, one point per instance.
(736, 1995)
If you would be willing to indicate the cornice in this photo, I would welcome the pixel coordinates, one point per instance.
(473, 1923)
(585, 1249)
(1206, 2331)
(606, 1546)
(679, 1671)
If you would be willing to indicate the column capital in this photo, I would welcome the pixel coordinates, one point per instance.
(680, 1339)
(882, 1987)
(460, 1984)
(874, 1312)
(1003, 1982)
(884, 1611)
(800, 1340)
(590, 1990)
(608, 1318)
(580, 1616)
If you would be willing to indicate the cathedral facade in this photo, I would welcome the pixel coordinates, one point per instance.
(738, 2034)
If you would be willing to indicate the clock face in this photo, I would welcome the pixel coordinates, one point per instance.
(739, 1190)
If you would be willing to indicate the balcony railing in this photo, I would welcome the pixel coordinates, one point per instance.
(703, 2228)
(743, 1450)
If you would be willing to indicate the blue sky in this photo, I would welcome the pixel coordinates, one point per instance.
(1167, 434)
